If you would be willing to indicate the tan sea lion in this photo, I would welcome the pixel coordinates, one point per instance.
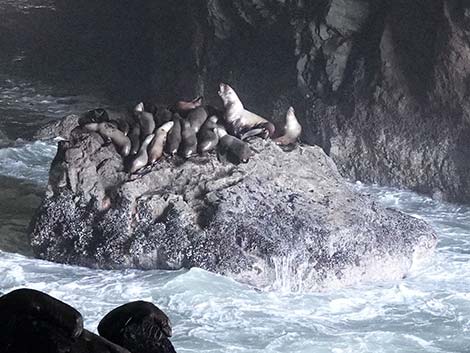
(183, 107)
(239, 120)
(110, 131)
(189, 139)
(146, 120)
(155, 150)
(207, 136)
(292, 129)
(141, 158)
(234, 146)
(173, 139)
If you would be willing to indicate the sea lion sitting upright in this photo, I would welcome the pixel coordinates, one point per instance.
(110, 132)
(146, 120)
(183, 107)
(173, 139)
(292, 129)
(239, 120)
(238, 150)
(138, 326)
(207, 136)
(141, 159)
(155, 150)
(189, 139)
(197, 118)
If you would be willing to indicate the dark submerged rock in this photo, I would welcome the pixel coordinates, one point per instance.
(138, 326)
(283, 216)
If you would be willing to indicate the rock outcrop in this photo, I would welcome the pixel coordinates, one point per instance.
(381, 85)
(286, 218)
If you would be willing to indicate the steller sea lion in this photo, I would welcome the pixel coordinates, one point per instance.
(292, 129)
(141, 159)
(97, 115)
(155, 150)
(134, 136)
(146, 120)
(173, 139)
(189, 139)
(111, 132)
(241, 121)
(183, 107)
(197, 117)
(207, 136)
(238, 150)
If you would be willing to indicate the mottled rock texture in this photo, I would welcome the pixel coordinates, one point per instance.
(286, 218)
(381, 85)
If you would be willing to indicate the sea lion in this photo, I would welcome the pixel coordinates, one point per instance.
(155, 150)
(97, 115)
(197, 117)
(238, 151)
(37, 306)
(189, 139)
(111, 132)
(241, 121)
(146, 120)
(207, 137)
(141, 159)
(183, 107)
(163, 116)
(138, 326)
(134, 136)
(292, 129)
(173, 139)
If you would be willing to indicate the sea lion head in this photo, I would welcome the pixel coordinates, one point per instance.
(139, 108)
(197, 101)
(166, 127)
(227, 94)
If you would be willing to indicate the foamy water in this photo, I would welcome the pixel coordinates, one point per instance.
(427, 312)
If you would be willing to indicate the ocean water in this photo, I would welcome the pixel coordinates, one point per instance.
(429, 311)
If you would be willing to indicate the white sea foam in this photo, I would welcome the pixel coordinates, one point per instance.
(429, 311)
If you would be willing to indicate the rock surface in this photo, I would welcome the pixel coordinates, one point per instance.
(284, 219)
(381, 85)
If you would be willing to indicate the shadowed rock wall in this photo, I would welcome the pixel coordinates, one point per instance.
(382, 86)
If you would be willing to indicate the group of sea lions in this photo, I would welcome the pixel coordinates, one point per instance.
(187, 129)
(35, 322)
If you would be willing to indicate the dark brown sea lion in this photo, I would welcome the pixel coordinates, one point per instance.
(197, 117)
(97, 115)
(239, 120)
(237, 150)
(173, 139)
(155, 150)
(146, 120)
(207, 136)
(134, 136)
(183, 107)
(189, 139)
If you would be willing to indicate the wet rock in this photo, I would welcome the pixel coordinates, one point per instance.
(286, 218)
(61, 128)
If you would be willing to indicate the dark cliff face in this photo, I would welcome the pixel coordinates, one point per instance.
(382, 86)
